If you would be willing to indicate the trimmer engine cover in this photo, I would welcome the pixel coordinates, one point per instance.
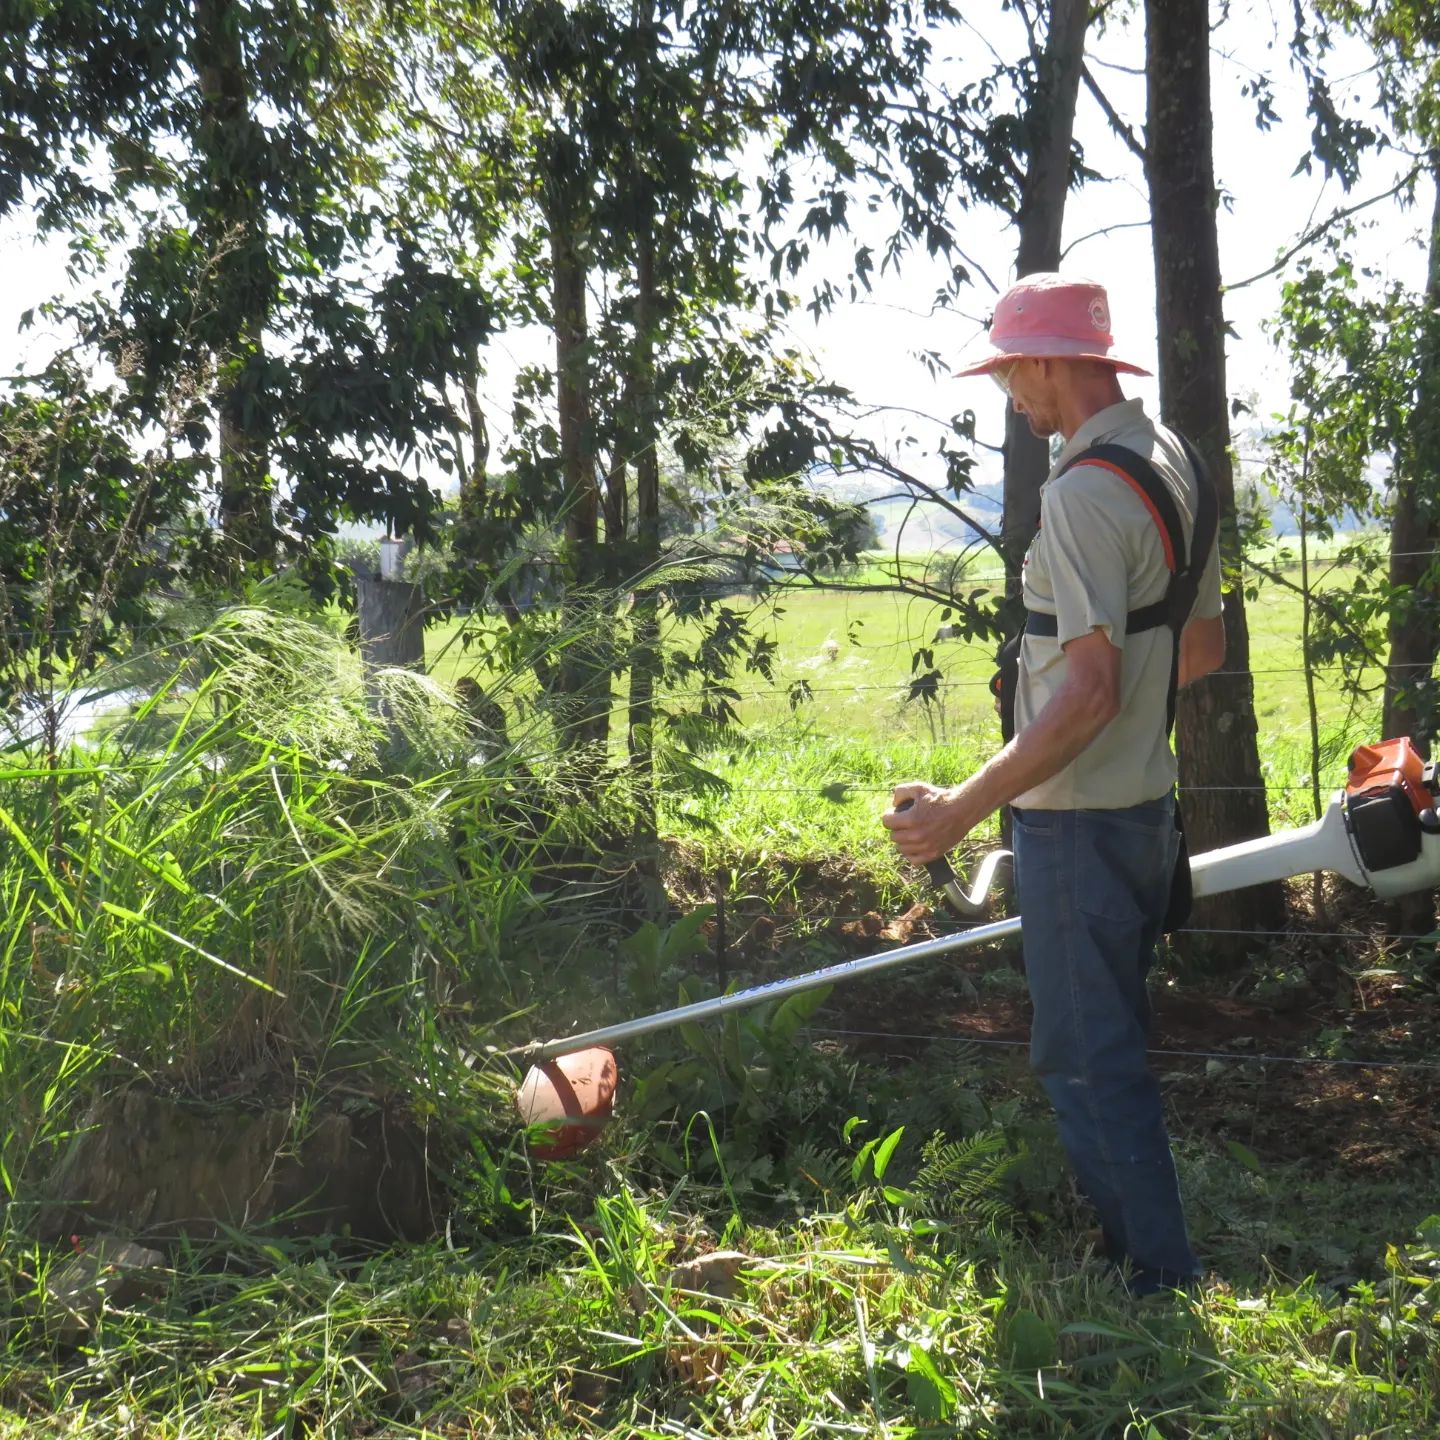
(1386, 795)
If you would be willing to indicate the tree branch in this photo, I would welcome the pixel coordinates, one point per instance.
(1337, 616)
(1106, 230)
(1316, 231)
(1117, 122)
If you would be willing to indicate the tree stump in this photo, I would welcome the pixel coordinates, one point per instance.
(392, 632)
(155, 1167)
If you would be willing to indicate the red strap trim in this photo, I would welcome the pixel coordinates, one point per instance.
(1139, 489)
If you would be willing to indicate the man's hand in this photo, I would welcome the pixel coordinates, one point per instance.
(937, 821)
(1086, 702)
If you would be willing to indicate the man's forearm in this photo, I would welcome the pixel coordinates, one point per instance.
(1202, 650)
(1059, 734)
(925, 821)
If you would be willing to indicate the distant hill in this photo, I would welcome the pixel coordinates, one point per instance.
(923, 528)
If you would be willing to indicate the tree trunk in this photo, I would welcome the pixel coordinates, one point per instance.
(1410, 698)
(1220, 779)
(582, 678)
(1050, 127)
(645, 660)
(1415, 529)
(242, 280)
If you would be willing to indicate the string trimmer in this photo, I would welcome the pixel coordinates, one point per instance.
(1380, 832)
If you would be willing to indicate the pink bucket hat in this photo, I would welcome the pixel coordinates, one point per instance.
(1051, 317)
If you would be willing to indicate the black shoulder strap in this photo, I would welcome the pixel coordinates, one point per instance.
(1185, 576)
(1139, 474)
(1186, 565)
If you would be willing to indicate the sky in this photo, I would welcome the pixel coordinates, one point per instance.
(873, 346)
(870, 348)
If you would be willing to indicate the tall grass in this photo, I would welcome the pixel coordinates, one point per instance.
(248, 872)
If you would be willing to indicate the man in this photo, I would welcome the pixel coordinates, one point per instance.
(1090, 773)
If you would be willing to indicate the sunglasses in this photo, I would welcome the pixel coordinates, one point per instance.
(1003, 376)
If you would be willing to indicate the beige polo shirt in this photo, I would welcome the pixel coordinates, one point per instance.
(1097, 556)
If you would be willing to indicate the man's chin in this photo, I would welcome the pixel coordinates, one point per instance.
(1039, 428)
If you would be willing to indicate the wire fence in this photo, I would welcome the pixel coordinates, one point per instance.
(1234, 1056)
(842, 788)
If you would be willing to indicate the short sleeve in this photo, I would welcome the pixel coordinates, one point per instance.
(1087, 557)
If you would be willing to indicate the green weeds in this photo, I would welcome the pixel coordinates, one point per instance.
(247, 877)
(639, 1319)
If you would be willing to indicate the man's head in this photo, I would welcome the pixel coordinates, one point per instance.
(1051, 341)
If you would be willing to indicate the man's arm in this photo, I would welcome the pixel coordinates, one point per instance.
(1086, 702)
(1202, 648)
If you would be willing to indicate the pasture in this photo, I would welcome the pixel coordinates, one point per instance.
(848, 1218)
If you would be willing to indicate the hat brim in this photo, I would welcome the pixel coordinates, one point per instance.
(1008, 357)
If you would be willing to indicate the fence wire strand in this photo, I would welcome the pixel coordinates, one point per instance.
(1231, 1055)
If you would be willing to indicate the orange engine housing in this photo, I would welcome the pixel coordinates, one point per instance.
(1389, 804)
(1390, 765)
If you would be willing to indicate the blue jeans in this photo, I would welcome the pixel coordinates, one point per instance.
(1093, 886)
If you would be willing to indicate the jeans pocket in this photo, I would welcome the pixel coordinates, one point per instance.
(1036, 822)
(1123, 862)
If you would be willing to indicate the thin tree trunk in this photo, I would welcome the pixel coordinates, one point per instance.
(645, 660)
(1051, 127)
(243, 283)
(1224, 794)
(583, 709)
(1415, 529)
(1312, 707)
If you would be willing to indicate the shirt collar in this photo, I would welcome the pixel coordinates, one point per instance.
(1099, 428)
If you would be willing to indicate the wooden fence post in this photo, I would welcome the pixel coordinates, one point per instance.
(390, 611)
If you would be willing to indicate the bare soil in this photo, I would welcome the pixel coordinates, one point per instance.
(1327, 1066)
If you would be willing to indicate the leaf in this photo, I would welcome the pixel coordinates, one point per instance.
(932, 1394)
(683, 940)
(645, 944)
(731, 1049)
(120, 912)
(1246, 1156)
(885, 1151)
(792, 1013)
(1029, 1342)
(857, 1165)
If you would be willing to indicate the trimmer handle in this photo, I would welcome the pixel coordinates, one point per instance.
(942, 874)
(940, 870)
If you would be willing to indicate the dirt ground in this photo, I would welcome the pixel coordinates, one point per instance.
(1275, 1055)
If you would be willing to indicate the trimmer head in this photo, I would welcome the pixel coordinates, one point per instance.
(564, 1102)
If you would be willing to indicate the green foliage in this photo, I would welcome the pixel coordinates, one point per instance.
(83, 491)
(1360, 363)
(263, 290)
(232, 874)
(615, 1324)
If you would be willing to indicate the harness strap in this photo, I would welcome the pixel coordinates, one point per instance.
(1174, 607)
(1147, 617)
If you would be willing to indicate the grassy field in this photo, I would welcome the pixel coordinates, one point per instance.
(854, 650)
(809, 779)
(843, 1217)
